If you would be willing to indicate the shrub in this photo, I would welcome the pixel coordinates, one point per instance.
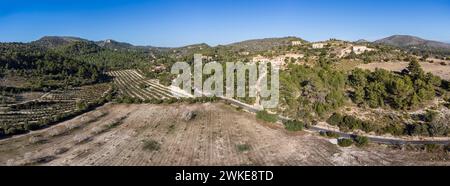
(361, 141)
(394, 129)
(14, 130)
(31, 126)
(151, 145)
(43, 122)
(350, 123)
(335, 119)
(432, 147)
(368, 126)
(345, 142)
(439, 127)
(265, 116)
(81, 105)
(447, 148)
(243, 147)
(332, 134)
(2, 133)
(430, 116)
(294, 125)
(329, 134)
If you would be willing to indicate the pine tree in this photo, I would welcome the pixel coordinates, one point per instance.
(415, 70)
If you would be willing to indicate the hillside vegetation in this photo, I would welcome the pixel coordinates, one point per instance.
(44, 67)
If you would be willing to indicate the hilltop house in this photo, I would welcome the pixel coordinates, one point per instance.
(278, 60)
(318, 45)
(356, 49)
(361, 49)
(296, 43)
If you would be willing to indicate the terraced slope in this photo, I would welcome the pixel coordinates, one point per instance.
(133, 84)
(50, 108)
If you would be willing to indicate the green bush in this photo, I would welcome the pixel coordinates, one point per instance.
(335, 119)
(367, 126)
(432, 147)
(243, 147)
(393, 129)
(82, 105)
(430, 116)
(416, 129)
(347, 122)
(293, 125)
(31, 126)
(361, 141)
(350, 122)
(265, 116)
(14, 130)
(345, 142)
(151, 145)
(329, 134)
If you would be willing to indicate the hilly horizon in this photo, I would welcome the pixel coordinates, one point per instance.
(239, 90)
(412, 41)
(401, 41)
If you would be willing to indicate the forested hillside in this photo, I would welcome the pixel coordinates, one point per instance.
(44, 67)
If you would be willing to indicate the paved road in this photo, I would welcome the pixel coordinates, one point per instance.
(381, 140)
(384, 140)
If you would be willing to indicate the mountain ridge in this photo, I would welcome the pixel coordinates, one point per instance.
(412, 41)
(402, 41)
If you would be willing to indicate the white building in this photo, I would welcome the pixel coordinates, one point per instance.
(356, 49)
(345, 52)
(296, 43)
(361, 49)
(318, 45)
(278, 60)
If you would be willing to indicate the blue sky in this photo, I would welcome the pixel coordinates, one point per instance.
(182, 22)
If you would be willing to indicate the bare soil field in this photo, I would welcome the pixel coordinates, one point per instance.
(436, 68)
(219, 134)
